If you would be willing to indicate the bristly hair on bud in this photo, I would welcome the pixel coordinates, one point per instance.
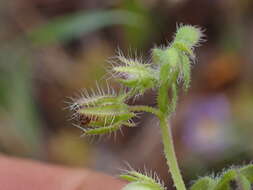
(134, 73)
(187, 37)
(101, 112)
(162, 56)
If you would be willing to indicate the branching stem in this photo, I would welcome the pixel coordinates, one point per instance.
(166, 78)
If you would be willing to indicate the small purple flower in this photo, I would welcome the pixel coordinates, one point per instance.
(206, 127)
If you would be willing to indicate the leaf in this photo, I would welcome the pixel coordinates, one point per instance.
(202, 183)
(72, 26)
(247, 171)
(243, 182)
(224, 181)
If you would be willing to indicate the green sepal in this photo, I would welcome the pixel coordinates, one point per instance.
(138, 76)
(140, 186)
(205, 183)
(166, 56)
(99, 100)
(157, 56)
(103, 111)
(102, 130)
(181, 46)
(186, 71)
(174, 98)
(110, 120)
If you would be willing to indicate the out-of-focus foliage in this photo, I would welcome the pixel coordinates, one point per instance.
(75, 25)
(19, 120)
(213, 124)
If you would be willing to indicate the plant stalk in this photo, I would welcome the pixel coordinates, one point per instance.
(170, 154)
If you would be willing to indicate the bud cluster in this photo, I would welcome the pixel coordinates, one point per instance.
(102, 112)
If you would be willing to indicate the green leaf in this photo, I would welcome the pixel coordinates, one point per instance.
(72, 26)
(243, 182)
(247, 171)
(204, 183)
(225, 179)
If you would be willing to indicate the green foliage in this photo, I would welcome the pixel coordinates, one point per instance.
(73, 26)
(138, 36)
(242, 177)
(223, 183)
(243, 182)
(247, 171)
(203, 183)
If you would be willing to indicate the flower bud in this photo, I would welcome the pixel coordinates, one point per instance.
(186, 38)
(165, 56)
(141, 181)
(135, 74)
(101, 114)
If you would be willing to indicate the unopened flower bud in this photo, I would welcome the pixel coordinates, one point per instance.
(101, 114)
(187, 37)
(141, 181)
(135, 74)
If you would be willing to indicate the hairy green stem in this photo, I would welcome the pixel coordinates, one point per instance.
(170, 154)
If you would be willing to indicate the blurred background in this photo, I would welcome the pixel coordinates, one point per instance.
(51, 49)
